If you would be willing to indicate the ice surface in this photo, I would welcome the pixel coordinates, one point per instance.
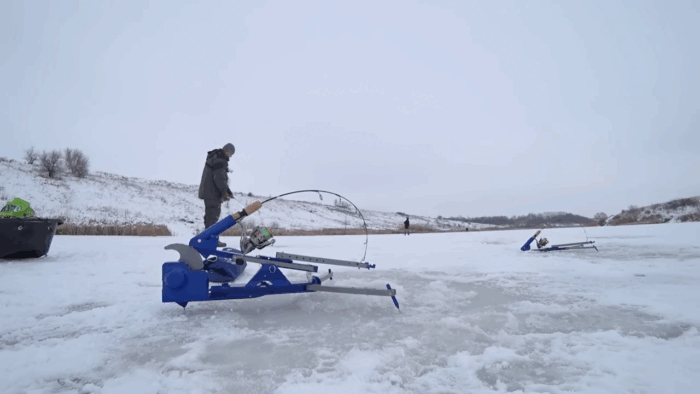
(477, 315)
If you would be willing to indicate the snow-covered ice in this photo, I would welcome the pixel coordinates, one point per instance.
(477, 316)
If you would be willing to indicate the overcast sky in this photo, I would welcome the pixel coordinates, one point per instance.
(436, 108)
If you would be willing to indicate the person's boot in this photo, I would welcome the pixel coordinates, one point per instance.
(220, 244)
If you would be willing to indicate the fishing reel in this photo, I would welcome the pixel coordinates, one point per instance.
(256, 238)
(542, 242)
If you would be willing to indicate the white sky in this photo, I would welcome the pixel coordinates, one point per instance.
(436, 108)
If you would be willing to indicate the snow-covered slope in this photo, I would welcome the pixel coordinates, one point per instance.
(680, 210)
(103, 198)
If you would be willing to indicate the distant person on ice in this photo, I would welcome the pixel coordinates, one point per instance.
(405, 224)
(213, 188)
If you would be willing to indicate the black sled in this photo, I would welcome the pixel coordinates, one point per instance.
(26, 237)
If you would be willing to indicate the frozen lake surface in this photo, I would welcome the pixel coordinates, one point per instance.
(477, 316)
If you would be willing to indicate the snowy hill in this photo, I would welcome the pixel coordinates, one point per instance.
(104, 198)
(680, 210)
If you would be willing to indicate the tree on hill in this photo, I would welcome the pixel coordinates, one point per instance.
(76, 162)
(51, 163)
(30, 155)
(601, 217)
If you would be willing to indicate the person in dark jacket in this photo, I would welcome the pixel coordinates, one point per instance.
(405, 224)
(213, 188)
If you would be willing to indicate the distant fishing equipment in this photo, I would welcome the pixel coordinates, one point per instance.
(542, 243)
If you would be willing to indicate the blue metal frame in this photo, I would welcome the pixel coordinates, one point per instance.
(526, 247)
(183, 284)
(575, 245)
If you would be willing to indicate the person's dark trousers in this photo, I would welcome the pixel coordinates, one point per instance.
(212, 211)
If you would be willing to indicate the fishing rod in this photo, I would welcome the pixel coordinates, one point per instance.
(364, 222)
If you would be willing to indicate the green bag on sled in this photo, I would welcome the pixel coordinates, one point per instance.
(17, 208)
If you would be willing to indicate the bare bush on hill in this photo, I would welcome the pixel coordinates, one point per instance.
(76, 162)
(681, 203)
(51, 163)
(82, 165)
(601, 217)
(68, 158)
(691, 217)
(30, 155)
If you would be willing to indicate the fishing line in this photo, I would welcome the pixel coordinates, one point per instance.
(584, 231)
(335, 194)
(234, 198)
